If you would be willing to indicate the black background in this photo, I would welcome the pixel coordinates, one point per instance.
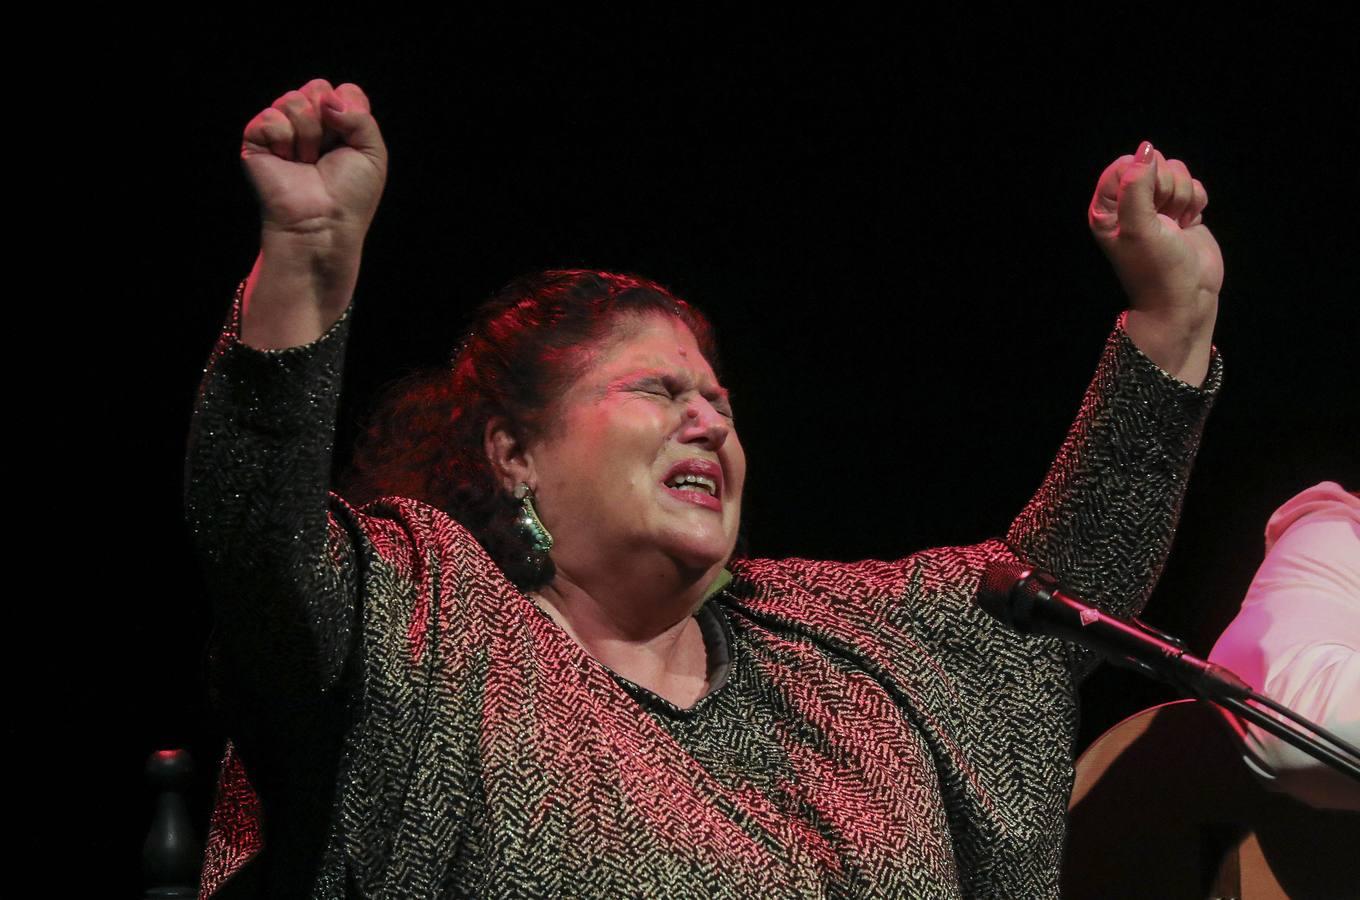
(886, 220)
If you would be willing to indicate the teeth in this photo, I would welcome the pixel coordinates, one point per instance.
(681, 482)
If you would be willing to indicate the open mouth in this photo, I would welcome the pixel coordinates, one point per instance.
(697, 481)
(693, 483)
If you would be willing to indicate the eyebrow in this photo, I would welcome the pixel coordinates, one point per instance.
(660, 376)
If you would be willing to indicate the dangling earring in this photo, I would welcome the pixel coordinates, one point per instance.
(528, 522)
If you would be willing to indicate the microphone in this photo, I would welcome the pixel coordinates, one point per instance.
(1030, 601)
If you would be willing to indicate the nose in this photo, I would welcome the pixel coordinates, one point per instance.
(704, 425)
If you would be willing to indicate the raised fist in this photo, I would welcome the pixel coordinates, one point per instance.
(1147, 214)
(317, 162)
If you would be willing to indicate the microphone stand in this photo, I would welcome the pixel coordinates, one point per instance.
(1031, 601)
(1218, 685)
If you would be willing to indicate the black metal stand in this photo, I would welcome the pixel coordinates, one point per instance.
(1215, 684)
(171, 855)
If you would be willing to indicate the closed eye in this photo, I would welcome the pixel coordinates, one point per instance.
(723, 404)
(655, 386)
(671, 388)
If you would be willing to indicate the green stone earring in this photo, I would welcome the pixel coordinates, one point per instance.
(528, 521)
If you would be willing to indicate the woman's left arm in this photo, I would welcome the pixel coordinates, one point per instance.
(1103, 519)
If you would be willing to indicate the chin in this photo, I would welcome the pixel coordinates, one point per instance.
(701, 555)
(698, 542)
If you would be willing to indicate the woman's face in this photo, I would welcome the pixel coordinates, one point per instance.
(641, 459)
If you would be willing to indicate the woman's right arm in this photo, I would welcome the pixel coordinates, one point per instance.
(281, 570)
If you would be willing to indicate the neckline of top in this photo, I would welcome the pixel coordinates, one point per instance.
(718, 652)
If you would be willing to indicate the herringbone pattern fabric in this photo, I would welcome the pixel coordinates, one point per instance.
(416, 727)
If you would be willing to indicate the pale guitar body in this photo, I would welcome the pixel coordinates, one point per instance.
(1164, 807)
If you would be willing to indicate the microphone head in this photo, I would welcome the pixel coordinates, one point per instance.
(995, 591)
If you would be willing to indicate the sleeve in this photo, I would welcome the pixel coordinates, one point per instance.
(279, 566)
(1103, 519)
(1297, 639)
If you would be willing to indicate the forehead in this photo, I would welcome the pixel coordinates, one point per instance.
(637, 346)
(652, 341)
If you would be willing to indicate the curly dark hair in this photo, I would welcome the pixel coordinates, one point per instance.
(525, 347)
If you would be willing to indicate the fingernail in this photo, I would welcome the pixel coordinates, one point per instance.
(1144, 154)
(334, 105)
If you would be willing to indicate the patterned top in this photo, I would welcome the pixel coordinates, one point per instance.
(406, 723)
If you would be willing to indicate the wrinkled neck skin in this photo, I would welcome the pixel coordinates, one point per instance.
(639, 624)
